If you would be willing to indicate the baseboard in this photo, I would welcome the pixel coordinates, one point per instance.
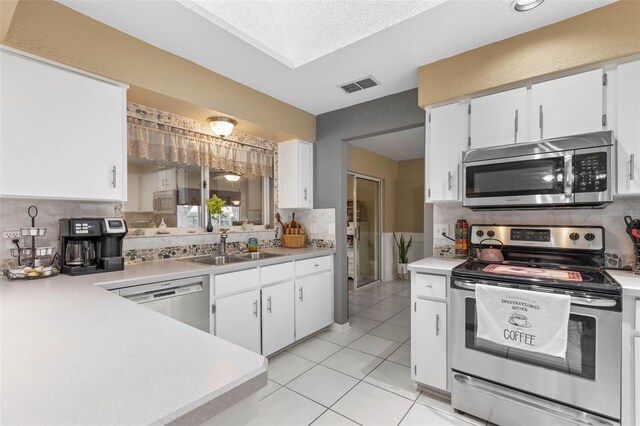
(340, 328)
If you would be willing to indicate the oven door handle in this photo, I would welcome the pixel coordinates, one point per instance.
(596, 302)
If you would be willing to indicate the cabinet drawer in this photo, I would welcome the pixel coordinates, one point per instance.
(434, 286)
(275, 273)
(638, 319)
(235, 281)
(310, 266)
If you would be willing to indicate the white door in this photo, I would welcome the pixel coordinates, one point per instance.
(306, 174)
(499, 119)
(446, 138)
(277, 317)
(313, 303)
(628, 134)
(636, 389)
(430, 321)
(567, 106)
(238, 319)
(65, 130)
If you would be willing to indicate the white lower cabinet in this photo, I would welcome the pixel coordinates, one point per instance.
(636, 345)
(268, 308)
(277, 317)
(313, 303)
(238, 319)
(430, 365)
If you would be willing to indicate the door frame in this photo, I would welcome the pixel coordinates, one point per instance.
(381, 250)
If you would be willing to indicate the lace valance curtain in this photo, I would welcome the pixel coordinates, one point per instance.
(157, 142)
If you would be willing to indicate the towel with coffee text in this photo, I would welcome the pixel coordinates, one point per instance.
(528, 320)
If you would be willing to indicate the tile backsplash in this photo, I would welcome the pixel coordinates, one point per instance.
(618, 247)
(319, 225)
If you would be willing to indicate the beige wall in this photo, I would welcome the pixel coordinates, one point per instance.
(410, 196)
(597, 36)
(53, 31)
(374, 165)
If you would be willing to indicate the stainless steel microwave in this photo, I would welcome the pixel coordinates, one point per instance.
(570, 171)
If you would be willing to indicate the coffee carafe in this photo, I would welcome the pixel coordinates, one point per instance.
(91, 245)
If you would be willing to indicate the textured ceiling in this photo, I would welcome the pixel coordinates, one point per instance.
(399, 146)
(392, 55)
(298, 32)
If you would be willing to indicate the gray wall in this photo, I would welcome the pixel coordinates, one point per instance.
(333, 130)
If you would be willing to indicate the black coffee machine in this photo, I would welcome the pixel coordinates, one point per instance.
(91, 245)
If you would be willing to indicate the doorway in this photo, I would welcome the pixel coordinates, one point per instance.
(364, 195)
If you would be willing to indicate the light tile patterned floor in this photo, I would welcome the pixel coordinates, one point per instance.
(361, 376)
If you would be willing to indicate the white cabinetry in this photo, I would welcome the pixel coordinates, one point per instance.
(278, 317)
(499, 119)
(628, 128)
(62, 132)
(446, 138)
(295, 175)
(568, 105)
(166, 180)
(429, 356)
(314, 295)
(237, 308)
(636, 345)
(431, 343)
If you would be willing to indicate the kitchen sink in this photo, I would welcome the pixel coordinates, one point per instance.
(217, 260)
(257, 255)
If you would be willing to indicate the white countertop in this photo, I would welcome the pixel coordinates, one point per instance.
(73, 353)
(435, 265)
(629, 281)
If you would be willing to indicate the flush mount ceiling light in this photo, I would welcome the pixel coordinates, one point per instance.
(525, 5)
(232, 178)
(222, 126)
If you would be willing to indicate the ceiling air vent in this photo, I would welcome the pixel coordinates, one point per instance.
(361, 84)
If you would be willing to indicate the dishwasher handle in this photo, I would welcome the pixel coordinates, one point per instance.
(162, 290)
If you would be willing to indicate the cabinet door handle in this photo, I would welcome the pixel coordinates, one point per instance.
(515, 128)
(269, 304)
(255, 308)
(301, 296)
(449, 176)
(113, 176)
(540, 119)
(632, 173)
(437, 324)
(305, 194)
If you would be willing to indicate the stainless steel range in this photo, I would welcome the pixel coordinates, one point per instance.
(511, 386)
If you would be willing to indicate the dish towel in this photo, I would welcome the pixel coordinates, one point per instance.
(528, 320)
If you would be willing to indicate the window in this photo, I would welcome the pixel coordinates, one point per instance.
(174, 193)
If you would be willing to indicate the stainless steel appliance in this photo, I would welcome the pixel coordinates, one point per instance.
(563, 172)
(516, 387)
(91, 245)
(186, 300)
(165, 202)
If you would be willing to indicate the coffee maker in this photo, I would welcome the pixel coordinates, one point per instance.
(91, 245)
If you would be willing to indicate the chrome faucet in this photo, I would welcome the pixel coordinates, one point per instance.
(223, 242)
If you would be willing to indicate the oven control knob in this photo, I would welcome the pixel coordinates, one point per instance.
(589, 236)
(574, 236)
(491, 234)
(480, 233)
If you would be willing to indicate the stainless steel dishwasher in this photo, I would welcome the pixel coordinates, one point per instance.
(186, 299)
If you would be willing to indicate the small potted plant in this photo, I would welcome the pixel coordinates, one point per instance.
(215, 205)
(403, 253)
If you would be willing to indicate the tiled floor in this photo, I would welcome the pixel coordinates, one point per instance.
(361, 376)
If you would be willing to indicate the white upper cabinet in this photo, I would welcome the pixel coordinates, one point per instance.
(295, 175)
(628, 134)
(63, 132)
(567, 106)
(446, 137)
(499, 119)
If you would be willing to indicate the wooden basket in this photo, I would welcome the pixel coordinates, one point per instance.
(294, 241)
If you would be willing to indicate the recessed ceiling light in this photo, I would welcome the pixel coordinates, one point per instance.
(525, 5)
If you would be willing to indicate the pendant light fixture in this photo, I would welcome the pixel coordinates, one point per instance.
(232, 177)
(222, 126)
(525, 5)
